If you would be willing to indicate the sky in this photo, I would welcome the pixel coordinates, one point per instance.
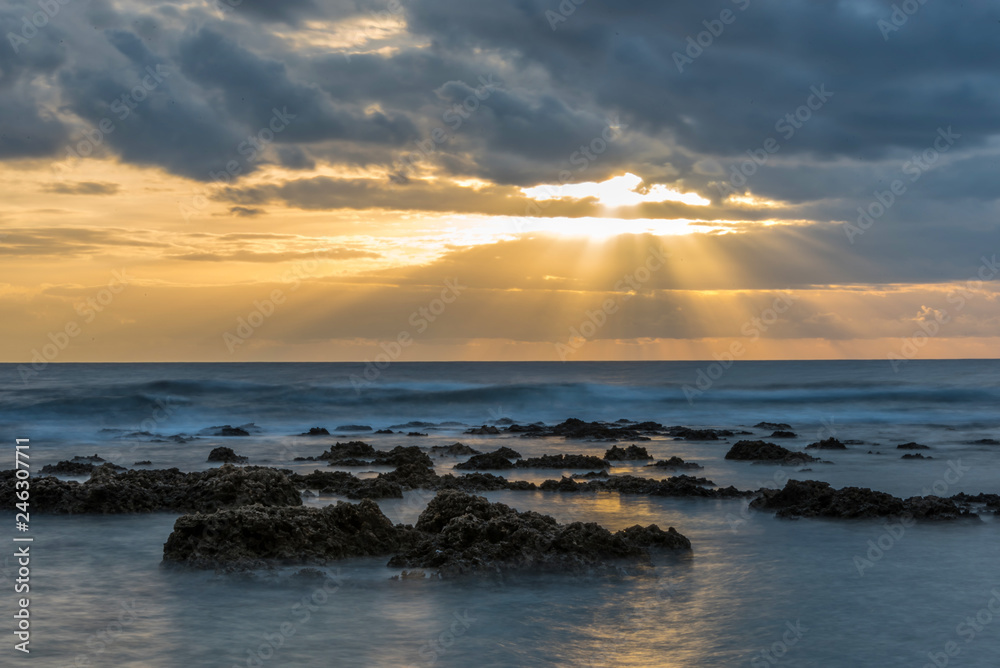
(420, 180)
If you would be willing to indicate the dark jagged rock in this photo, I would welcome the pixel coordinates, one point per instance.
(456, 449)
(316, 431)
(469, 535)
(773, 426)
(915, 456)
(507, 453)
(781, 433)
(416, 433)
(631, 453)
(341, 483)
(991, 502)
(226, 456)
(574, 428)
(688, 434)
(349, 450)
(144, 462)
(679, 486)
(483, 430)
(109, 491)
(256, 536)
(353, 427)
(810, 498)
(827, 444)
(74, 468)
(403, 455)
(227, 430)
(490, 461)
(482, 482)
(89, 459)
(762, 451)
(912, 446)
(591, 474)
(675, 463)
(384, 431)
(561, 461)
(350, 462)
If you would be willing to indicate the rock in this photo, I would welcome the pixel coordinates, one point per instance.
(111, 490)
(773, 426)
(74, 468)
(631, 453)
(486, 462)
(342, 483)
(349, 450)
(316, 431)
(454, 449)
(592, 474)
(144, 462)
(225, 455)
(353, 427)
(403, 455)
(507, 453)
(255, 536)
(827, 444)
(561, 461)
(853, 441)
(675, 463)
(469, 535)
(91, 459)
(483, 430)
(678, 486)
(384, 431)
(574, 428)
(416, 433)
(784, 434)
(761, 451)
(915, 456)
(912, 446)
(227, 430)
(810, 498)
(688, 434)
(985, 441)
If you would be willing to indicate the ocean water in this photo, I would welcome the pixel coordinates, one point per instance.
(755, 591)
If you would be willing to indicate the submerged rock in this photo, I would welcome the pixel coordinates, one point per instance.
(781, 433)
(811, 498)
(773, 426)
(631, 453)
(467, 534)
(678, 486)
(827, 444)
(454, 449)
(486, 462)
(762, 451)
(483, 430)
(110, 491)
(915, 456)
(675, 463)
(353, 427)
(74, 467)
(226, 456)
(255, 536)
(316, 431)
(912, 446)
(561, 461)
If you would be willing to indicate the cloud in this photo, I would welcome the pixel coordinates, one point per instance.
(82, 188)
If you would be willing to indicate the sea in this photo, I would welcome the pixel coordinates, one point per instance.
(755, 590)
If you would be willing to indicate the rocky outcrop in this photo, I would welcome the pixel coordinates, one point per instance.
(316, 431)
(827, 444)
(912, 446)
(401, 455)
(226, 456)
(256, 536)
(772, 426)
(349, 450)
(456, 449)
(688, 434)
(781, 433)
(631, 453)
(762, 451)
(675, 464)
(110, 491)
(811, 498)
(341, 483)
(507, 453)
(678, 486)
(467, 534)
(484, 430)
(490, 461)
(74, 467)
(228, 430)
(562, 461)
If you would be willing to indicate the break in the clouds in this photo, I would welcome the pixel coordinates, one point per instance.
(819, 145)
